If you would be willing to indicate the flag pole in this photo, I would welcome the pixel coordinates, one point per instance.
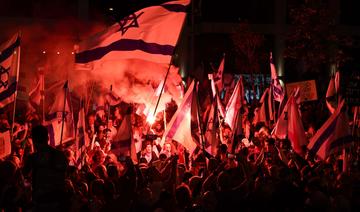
(164, 119)
(77, 134)
(82, 121)
(162, 89)
(202, 140)
(213, 130)
(273, 105)
(16, 90)
(234, 131)
(168, 70)
(108, 116)
(90, 96)
(63, 112)
(83, 147)
(355, 118)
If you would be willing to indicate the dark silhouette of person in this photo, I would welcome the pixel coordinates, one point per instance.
(47, 167)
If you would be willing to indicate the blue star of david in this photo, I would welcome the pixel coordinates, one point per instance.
(4, 71)
(129, 22)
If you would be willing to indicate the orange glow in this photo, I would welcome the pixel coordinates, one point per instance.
(150, 119)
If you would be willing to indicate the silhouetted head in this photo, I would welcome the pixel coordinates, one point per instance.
(39, 135)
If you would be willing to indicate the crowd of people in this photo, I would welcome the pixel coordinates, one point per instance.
(259, 172)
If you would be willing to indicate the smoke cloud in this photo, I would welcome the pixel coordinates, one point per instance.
(135, 81)
(48, 45)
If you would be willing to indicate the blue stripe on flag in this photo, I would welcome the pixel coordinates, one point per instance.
(324, 136)
(10, 50)
(8, 92)
(123, 45)
(180, 117)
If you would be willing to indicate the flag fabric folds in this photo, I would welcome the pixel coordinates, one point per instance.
(277, 89)
(265, 113)
(220, 106)
(148, 34)
(210, 133)
(332, 92)
(9, 70)
(235, 103)
(337, 82)
(112, 98)
(37, 94)
(289, 124)
(333, 136)
(151, 103)
(216, 94)
(296, 132)
(59, 133)
(179, 127)
(281, 126)
(82, 140)
(218, 76)
(123, 142)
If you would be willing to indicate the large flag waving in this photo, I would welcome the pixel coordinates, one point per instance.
(290, 124)
(179, 127)
(210, 133)
(332, 93)
(123, 142)
(334, 135)
(235, 103)
(296, 132)
(37, 94)
(148, 34)
(59, 132)
(265, 112)
(277, 89)
(282, 125)
(218, 76)
(112, 98)
(9, 70)
(82, 139)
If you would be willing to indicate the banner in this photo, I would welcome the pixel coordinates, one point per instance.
(307, 90)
